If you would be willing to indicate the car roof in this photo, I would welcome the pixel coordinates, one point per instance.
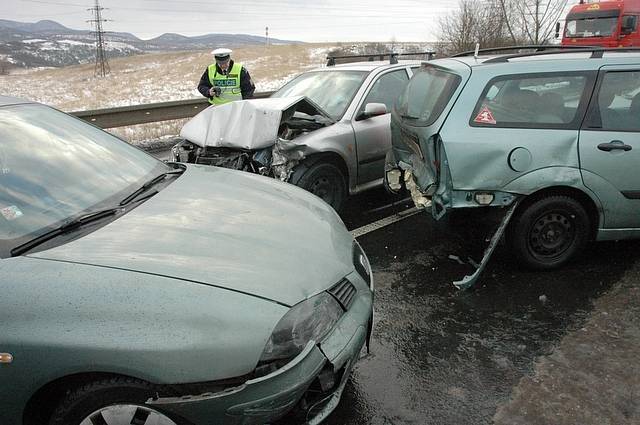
(368, 65)
(7, 100)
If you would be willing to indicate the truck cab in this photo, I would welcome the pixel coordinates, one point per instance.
(605, 23)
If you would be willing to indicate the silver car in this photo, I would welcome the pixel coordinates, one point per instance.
(332, 142)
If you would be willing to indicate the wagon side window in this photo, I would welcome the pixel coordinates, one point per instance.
(531, 101)
(616, 105)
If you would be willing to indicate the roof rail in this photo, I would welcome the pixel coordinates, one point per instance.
(596, 52)
(537, 47)
(392, 56)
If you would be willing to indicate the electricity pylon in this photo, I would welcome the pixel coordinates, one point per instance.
(102, 64)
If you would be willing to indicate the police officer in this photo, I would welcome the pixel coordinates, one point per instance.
(225, 81)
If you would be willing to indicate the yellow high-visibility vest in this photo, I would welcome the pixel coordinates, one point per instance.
(229, 84)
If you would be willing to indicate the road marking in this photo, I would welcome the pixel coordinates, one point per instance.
(384, 222)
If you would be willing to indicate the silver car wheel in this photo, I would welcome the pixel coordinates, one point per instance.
(126, 414)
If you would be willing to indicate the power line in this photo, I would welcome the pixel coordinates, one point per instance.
(102, 64)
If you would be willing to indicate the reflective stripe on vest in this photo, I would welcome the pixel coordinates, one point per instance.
(229, 84)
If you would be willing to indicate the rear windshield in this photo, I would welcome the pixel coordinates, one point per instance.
(426, 95)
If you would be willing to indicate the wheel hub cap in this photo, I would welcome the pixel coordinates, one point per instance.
(551, 234)
(126, 414)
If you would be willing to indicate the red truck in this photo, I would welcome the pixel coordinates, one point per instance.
(604, 23)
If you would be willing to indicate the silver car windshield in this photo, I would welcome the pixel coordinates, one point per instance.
(331, 90)
(54, 167)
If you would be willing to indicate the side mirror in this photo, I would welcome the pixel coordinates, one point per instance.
(372, 110)
(628, 25)
(557, 29)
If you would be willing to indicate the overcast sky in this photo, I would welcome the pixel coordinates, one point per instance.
(305, 20)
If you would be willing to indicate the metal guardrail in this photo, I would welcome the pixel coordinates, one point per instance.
(152, 112)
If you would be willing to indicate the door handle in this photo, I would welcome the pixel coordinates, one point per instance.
(614, 145)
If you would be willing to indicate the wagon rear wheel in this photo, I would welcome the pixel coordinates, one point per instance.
(549, 232)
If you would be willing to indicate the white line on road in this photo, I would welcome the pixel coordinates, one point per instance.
(368, 228)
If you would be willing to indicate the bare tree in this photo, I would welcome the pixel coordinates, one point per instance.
(536, 20)
(474, 22)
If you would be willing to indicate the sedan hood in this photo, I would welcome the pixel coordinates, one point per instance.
(248, 124)
(228, 229)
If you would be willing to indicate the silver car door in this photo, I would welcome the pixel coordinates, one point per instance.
(373, 135)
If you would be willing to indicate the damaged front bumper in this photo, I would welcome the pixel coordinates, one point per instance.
(260, 136)
(307, 388)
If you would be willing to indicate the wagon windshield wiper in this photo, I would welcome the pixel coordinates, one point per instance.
(409, 117)
(66, 227)
(148, 185)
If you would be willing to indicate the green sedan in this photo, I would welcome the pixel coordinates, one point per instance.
(139, 292)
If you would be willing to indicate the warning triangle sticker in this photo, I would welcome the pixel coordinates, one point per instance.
(485, 116)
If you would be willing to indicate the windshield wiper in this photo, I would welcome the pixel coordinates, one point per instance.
(68, 226)
(409, 117)
(147, 185)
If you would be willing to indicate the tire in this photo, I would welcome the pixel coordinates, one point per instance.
(115, 400)
(549, 232)
(323, 179)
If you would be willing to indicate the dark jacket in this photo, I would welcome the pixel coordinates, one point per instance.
(246, 84)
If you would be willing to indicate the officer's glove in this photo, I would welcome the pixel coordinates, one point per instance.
(215, 91)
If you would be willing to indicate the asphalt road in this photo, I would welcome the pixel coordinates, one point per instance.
(441, 356)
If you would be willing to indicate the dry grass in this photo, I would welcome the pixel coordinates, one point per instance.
(154, 78)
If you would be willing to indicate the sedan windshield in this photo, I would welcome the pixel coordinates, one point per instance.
(54, 167)
(331, 90)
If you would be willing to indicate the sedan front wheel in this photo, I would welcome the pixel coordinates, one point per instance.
(116, 401)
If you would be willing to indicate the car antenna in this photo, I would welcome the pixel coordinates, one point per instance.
(475, 53)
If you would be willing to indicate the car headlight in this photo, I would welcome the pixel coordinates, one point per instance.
(309, 320)
(361, 263)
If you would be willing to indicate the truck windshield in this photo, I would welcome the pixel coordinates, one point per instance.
(592, 25)
(426, 95)
(331, 90)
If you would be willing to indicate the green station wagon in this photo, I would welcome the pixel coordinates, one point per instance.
(552, 136)
(139, 292)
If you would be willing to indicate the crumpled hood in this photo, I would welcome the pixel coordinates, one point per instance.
(229, 229)
(247, 124)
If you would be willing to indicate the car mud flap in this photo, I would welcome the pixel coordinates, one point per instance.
(468, 281)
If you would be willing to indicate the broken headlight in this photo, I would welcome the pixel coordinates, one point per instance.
(310, 320)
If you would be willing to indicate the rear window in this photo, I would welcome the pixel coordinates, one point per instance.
(426, 95)
(534, 101)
